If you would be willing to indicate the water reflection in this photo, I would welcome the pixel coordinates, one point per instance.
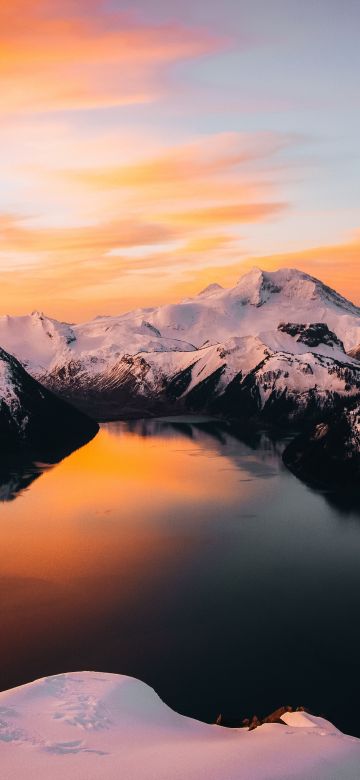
(18, 474)
(186, 555)
(16, 477)
(219, 436)
(18, 469)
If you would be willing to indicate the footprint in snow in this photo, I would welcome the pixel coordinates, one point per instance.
(72, 747)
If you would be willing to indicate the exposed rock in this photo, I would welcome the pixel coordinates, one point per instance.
(312, 335)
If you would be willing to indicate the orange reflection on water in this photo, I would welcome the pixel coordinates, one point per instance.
(109, 503)
(95, 545)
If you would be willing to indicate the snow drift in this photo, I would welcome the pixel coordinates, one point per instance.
(88, 726)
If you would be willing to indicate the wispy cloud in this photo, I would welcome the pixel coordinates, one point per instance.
(172, 190)
(159, 215)
(74, 55)
(233, 213)
(17, 236)
(208, 156)
(115, 283)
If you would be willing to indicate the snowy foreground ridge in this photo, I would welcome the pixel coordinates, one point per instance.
(88, 725)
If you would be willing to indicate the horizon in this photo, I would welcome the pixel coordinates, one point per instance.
(154, 306)
(148, 150)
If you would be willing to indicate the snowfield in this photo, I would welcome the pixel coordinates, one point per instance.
(87, 726)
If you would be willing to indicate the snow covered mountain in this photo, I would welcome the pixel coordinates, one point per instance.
(279, 344)
(33, 421)
(89, 725)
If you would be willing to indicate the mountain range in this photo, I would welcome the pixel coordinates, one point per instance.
(281, 347)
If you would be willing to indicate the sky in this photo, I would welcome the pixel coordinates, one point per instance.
(148, 148)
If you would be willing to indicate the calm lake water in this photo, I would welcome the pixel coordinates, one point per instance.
(187, 556)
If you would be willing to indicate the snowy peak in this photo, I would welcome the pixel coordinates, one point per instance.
(34, 338)
(259, 302)
(257, 287)
(210, 290)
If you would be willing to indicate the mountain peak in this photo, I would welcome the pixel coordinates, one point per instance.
(279, 277)
(255, 273)
(211, 288)
(257, 286)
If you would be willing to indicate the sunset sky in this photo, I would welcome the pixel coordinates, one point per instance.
(149, 148)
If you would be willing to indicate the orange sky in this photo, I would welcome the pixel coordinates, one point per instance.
(137, 165)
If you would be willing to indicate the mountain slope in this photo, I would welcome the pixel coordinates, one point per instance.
(245, 375)
(258, 303)
(33, 420)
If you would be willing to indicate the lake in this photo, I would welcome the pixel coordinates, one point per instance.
(183, 553)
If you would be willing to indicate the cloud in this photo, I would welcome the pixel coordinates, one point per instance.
(75, 272)
(76, 55)
(205, 157)
(208, 243)
(107, 228)
(233, 213)
(17, 236)
(188, 189)
(221, 178)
